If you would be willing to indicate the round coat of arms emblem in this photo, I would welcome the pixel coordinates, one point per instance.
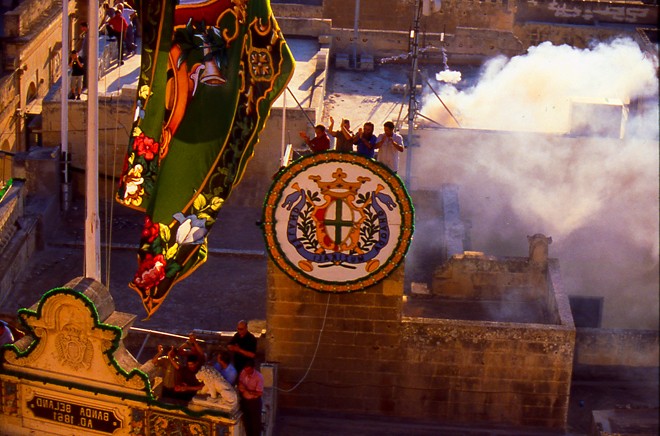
(337, 222)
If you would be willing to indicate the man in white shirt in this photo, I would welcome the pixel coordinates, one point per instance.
(389, 145)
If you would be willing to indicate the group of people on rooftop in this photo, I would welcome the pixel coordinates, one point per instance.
(384, 147)
(236, 364)
(119, 23)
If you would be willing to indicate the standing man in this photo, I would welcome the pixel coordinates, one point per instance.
(389, 145)
(84, 49)
(243, 345)
(344, 136)
(77, 73)
(251, 388)
(366, 140)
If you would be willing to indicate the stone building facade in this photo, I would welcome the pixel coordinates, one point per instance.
(468, 31)
(30, 62)
(71, 375)
(373, 352)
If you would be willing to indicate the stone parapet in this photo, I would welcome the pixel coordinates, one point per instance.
(518, 374)
(617, 347)
(28, 15)
(71, 374)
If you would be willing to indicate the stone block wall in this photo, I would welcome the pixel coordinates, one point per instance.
(11, 209)
(293, 10)
(369, 359)
(617, 347)
(358, 357)
(115, 121)
(531, 34)
(301, 26)
(23, 19)
(479, 277)
(587, 12)
(461, 46)
(471, 371)
(400, 15)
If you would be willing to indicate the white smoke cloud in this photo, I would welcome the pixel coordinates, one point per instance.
(596, 196)
(533, 92)
(448, 76)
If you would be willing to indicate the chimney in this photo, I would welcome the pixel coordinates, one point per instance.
(538, 249)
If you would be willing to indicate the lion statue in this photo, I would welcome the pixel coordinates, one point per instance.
(214, 384)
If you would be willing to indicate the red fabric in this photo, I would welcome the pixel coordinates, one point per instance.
(118, 23)
(319, 143)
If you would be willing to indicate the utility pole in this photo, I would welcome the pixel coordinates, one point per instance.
(92, 224)
(356, 34)
(412, 91)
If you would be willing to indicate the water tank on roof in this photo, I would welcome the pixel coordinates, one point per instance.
(604, 117)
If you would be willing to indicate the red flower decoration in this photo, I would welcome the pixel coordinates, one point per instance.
(151, 271)
(150, 230)
(145, 146)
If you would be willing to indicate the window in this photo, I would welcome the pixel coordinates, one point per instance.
(587, 311)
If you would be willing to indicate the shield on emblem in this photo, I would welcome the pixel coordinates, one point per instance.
(337, 222)
(75, 351)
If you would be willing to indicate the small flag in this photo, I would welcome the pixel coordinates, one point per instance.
(209, 75)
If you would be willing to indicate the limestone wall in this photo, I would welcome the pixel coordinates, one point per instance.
(617, 347)
(115, 115)
(26, 16)
(31, 59)
(534, 33)
(587, 12)
(11, 208)
(461, 45)
(372, 360)
(500, 14)
(479, 277)
(295, 11)
(489, 372)
(18, 236)
(471, 28)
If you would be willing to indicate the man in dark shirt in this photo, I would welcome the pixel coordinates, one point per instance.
(188, 384)
(243, 345)
(320, 142)
(344, 136)
(366, 140)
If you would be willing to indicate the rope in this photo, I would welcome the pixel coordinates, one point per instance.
(443, 103)
(301, 108)
(428, 119)
(107, 222)
(398, 117)
(318, 342)
(110, 210)
(114, 162)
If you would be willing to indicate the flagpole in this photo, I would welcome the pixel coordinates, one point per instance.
(92, 234)
(64, 96)
(283, 151)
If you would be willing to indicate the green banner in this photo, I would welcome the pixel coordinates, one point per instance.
(210, 73)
